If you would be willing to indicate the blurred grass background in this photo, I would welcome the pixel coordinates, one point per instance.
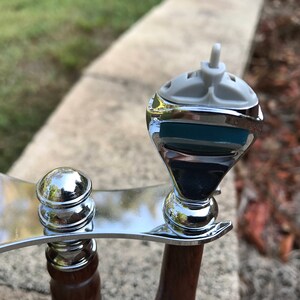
(44, 45)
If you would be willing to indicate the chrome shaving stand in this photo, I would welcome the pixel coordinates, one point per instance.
(199, 142)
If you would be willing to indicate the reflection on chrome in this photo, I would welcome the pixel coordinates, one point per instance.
(199, 145)
(66, 206)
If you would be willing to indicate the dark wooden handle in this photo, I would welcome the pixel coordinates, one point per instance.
(179, 272)
(83, 284)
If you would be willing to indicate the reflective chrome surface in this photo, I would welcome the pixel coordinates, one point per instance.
(133, 214)
(165, 110)
(63, 188)
(66, 206)
(199, 145)
(188, 220)
(71, 255)
(65, 202)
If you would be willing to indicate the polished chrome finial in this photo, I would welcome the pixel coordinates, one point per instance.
(66, 206)
(63, 187)
(201, 122)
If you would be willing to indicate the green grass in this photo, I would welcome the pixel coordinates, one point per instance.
(44, 44)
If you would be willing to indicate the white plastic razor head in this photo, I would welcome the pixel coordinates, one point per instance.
(210, 86)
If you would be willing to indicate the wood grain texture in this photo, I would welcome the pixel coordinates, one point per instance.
(83, 284)
(179, 272)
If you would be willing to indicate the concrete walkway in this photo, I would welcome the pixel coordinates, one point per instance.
(100, 129)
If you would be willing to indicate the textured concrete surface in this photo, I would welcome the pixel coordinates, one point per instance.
(100, 129)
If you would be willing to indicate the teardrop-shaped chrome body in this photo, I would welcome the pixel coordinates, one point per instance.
(199, 145)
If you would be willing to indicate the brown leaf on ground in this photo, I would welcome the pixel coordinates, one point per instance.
(286, 246)
(254, 223)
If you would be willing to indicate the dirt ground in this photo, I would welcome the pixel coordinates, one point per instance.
(268, 179)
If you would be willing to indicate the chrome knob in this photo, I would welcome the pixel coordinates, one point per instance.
(66, 206)
(202, 123)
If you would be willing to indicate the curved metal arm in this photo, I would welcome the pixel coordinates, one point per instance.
(132, 214)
